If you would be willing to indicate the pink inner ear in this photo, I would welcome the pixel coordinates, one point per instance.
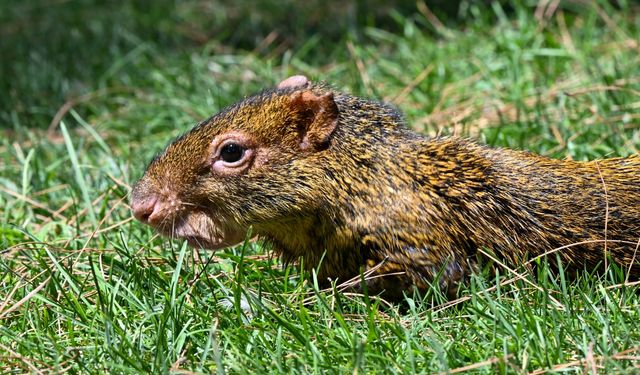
(294, 81)
(317, 128)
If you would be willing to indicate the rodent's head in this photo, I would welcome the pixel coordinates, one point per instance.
(251, 164)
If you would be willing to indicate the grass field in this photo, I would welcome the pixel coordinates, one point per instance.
(90, 91)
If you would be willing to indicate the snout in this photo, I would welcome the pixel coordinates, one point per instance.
(146, 206)
(145, 209)
(169, 215)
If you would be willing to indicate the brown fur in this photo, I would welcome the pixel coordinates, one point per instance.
(367, 190)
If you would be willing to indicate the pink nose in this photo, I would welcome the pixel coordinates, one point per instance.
(144, 209)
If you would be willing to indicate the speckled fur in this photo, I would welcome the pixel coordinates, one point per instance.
(381, 192)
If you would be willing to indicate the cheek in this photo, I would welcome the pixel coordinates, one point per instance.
(263, 158)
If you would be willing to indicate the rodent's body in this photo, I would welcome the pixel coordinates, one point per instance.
(366, 190)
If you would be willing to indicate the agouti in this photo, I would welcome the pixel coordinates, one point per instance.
(342, 182)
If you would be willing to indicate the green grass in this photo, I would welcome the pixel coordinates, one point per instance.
(85, 289)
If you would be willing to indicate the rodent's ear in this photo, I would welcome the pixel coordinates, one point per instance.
(319, 118)
(294, 81)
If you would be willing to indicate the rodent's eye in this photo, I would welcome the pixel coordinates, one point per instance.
(231, 153)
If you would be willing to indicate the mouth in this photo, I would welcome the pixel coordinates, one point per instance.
(203, 232)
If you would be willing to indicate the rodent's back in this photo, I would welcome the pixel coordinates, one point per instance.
(571, 205)
(459, 197)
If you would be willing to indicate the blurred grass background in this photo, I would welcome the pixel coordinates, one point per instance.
(56, 50)
(90, 90)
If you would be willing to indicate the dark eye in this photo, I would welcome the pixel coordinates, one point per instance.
(231, 153)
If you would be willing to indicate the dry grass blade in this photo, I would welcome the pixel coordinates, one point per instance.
(23, 359)
(521, 277)
(478, 365)
(24, 299)
(32, 202)
(364, 75)
(402, 95)
(606, 215)
(590, 362)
